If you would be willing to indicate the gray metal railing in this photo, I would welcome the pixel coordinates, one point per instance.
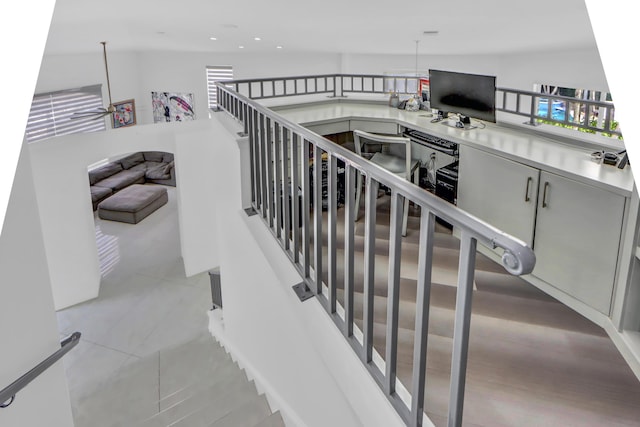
(8, 394)
(284, 159)
(335, 85)
(593, 116)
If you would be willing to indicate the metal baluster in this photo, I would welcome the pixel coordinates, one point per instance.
(461, 328)
(349, 225)
(271, 196)
(295, 196)
(287, 200)
(421, 330)
(256, 159)
(278, 183)
(332, 177)
(393, 294)
(369, 266)
(263, 166)
(306, 191)
(317, 217)
(245, 118)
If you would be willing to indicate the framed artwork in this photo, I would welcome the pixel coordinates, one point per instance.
(125, 114)
(172, 107)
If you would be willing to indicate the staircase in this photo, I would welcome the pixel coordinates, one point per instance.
(195, 384)
(532, 360)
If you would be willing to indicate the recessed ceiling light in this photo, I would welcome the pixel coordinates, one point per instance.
(257, 39)
(213, 38)
(240, 47)
(278, 47)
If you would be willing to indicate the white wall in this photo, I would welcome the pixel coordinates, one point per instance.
(136, 75)
(293, 350)
(580, 68)
(29, 331)
(66, 214)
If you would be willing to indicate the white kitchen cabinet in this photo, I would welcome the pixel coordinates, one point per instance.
(577, 237)
(498, 191)
(574, 228)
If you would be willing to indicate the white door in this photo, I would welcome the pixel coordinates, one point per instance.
(577, 237)
(498, 191)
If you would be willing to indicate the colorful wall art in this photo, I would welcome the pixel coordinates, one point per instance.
(125, 114)
(172, 107)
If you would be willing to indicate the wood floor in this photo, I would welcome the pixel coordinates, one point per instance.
(532, 361)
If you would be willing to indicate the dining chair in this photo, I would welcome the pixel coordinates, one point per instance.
(404, 166)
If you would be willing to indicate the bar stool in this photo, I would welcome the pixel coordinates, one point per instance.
(406, 166)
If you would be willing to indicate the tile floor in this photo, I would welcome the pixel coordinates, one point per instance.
(145, 303)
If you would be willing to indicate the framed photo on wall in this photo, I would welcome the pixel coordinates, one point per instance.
(125, 114)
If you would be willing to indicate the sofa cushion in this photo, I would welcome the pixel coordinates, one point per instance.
(99, 192)
(167, 157)
(153, 156)
(158, 172)
(122, 179)
(132, 160)
(168, 167)
(103, 172)
(139, 167)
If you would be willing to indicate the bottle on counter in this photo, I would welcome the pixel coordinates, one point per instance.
(394, 100)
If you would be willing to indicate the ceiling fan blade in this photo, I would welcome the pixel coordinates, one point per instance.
(106, 113)
(89, 113)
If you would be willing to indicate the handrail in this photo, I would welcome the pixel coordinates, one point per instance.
(284, 159)
(337, 85)
(8, 394)
(511, 101)
(520, 259)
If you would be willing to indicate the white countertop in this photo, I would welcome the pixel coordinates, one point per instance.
(531, 148)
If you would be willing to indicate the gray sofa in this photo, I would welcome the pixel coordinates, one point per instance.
(145, 166)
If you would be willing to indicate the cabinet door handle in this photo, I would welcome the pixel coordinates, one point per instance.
(526, 192)
(544, 195)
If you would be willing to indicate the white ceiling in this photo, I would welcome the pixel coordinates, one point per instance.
(337, 26)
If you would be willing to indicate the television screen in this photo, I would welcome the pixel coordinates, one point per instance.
(471, 95)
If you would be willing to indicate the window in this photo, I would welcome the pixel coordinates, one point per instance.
(52, 114)
(215, 74)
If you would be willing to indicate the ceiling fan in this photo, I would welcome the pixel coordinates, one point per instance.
(100, 112)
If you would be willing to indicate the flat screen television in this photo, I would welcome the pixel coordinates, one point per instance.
(470, 95)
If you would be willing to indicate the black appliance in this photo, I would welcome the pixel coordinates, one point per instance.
(447, 186)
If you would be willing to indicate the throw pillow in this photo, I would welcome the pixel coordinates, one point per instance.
(132, 160)
(153, 156)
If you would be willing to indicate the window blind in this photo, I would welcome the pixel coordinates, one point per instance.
(51, 113)
(215, 74)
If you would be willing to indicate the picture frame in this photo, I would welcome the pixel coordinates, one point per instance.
(125, 114)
